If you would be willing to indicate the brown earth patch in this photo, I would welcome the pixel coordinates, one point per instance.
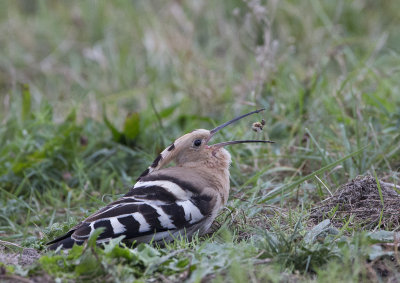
(361, 200)
(25, 257)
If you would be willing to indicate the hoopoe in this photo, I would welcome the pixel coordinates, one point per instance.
(166, 203)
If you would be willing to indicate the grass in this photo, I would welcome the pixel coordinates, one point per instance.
(92, 91)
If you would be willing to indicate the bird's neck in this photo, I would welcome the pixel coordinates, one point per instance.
(216, 174)
(213, 167)
(217, 180)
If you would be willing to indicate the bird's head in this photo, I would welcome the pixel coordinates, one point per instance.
(194, 149)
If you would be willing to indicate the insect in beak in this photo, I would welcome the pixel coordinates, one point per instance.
(222, 144)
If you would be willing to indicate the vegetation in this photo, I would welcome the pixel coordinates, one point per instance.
(92, 91)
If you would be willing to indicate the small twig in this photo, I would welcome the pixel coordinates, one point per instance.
(323, 184)
(6, 243)
(390, 184)
(229, 214)
(326, 199)
(15, 278)
(263, 261)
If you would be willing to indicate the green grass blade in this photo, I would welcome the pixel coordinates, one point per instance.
(274, 193)
(381, 198)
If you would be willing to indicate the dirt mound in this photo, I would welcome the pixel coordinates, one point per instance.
(25, 257)
(360, 199)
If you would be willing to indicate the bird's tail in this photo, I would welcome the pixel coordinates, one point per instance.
(66, 241)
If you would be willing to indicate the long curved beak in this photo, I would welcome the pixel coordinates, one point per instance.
(213, 131)
(221, 144)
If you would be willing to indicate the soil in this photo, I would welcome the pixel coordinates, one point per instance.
(25, 257)
(361, 200)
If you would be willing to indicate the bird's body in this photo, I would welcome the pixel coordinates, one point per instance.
(166, 203)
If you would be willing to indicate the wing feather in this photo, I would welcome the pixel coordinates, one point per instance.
(157, 204)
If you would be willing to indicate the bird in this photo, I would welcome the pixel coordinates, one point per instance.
(167, 202)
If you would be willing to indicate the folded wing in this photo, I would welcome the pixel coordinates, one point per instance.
(155, 208)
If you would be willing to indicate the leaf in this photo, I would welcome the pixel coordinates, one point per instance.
(108, 247)
(182, 263)
(377, 252)
(71, 118)
(76, 251)
(88, 264)
(26, 102)
(45, 114)
(93, 238)
(166, 112)
(117, 135)
(113, 249)
(147, 254)
(132, 126)
(323, 228)
(383, 236)
(51, 263)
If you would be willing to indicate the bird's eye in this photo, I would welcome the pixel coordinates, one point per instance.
(197, 142)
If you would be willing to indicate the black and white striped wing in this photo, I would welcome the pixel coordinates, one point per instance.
(156, 208)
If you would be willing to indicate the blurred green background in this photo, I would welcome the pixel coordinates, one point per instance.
(209, 56)
(91, 91)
